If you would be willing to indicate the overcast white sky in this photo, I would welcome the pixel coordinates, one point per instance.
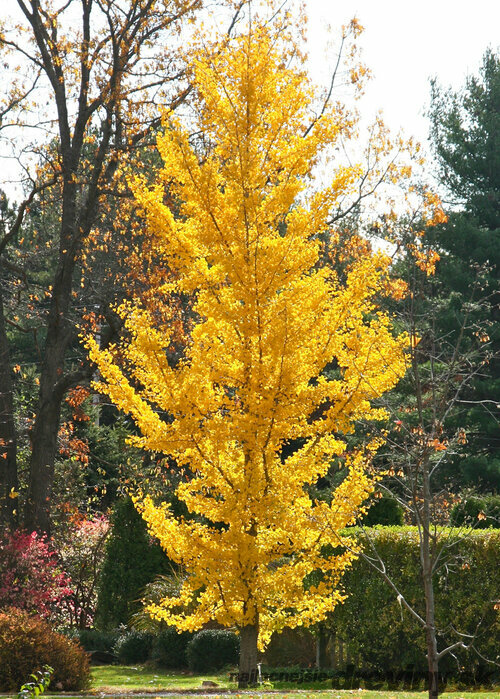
(408, 41)
(404, 44)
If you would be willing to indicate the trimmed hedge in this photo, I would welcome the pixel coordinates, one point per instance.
(134, 647)
(169, 648)
(212, 650)
(28, 643)
(379, 633)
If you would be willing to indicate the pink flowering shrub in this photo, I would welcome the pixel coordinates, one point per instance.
(31, 577)
(82, 549)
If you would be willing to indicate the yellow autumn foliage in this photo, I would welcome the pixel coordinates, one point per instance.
(270, 321)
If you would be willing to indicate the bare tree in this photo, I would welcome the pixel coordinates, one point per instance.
(103, 68)
(425, 433)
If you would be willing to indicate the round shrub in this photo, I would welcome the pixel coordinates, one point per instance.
(386, 511)
(479, 511)
(169, 648)
(212, 650)
(28, 643)
(134, 647)
(93, 639)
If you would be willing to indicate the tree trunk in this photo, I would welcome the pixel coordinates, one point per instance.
(8, 447)
(45, 432)
(426, 562)
(333, 651)
(432, 656)
(248, 673)
(321, 643)
(44, 449)
(52, 384)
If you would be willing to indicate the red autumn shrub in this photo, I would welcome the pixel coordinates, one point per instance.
(30, 575)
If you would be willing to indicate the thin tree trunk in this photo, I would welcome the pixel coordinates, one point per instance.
(248, 656)
(8, 443)
(426, 561)
(430, 636)
(321, 643)
(333, 651)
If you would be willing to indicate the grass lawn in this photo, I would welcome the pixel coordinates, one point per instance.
(121, 679)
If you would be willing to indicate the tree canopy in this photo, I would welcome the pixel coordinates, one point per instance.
(270, 320)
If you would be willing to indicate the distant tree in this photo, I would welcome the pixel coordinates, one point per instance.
(428, 431)
(95, 73)
(465, 131)
(9, 481)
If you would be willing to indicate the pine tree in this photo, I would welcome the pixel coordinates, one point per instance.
(466, 137)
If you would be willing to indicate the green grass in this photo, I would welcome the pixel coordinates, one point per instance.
(139, 679)
(121, 679)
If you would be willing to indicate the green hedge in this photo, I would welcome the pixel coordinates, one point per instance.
(212, 649)
(169, 648)
(380, 635)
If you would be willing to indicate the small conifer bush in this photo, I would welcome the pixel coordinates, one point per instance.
(169, 648)
(212, 649)
(134, 647)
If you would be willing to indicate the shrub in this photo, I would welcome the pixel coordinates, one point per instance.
(132, 560)
(28, 643)
(169, 648)
(93, 639)
(30, 575)
(386, 511)
(212, 650)
(133, 647)
(81, 549)
(481, 511)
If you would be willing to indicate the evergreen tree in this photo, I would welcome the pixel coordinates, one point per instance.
(132, 561)
(465, 134)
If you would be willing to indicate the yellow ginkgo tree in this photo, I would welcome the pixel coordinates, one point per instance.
(280, 349)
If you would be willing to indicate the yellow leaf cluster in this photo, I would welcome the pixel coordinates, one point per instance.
(271, 322)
